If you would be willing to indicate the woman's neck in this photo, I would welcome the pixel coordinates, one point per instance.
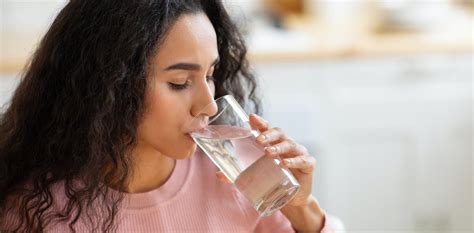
(151, 169)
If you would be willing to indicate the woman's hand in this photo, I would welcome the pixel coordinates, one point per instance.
(294, 156)
(303, 210)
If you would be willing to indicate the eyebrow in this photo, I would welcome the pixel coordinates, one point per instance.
(188, 66)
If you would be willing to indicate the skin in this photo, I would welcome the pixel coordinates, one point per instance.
(187, 57)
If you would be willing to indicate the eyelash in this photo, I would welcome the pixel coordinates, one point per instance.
(186, 85)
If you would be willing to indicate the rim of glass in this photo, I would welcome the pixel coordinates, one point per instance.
(231, 101)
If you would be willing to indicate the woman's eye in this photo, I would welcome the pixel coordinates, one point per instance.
(176, 86)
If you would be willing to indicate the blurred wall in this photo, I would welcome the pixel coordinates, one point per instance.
(392, 136)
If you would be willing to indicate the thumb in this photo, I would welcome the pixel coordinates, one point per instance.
(257, 122)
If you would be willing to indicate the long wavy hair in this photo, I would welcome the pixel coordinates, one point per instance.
(72, 120)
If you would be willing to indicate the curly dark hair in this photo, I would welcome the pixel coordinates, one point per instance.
(72, 120)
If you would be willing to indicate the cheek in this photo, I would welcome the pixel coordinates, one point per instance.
(162, 126)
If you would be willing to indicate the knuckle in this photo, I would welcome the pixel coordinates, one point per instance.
(288, 145)
(281, 147)
(293, 144)
(278, 129)
(274, 132)
(304, 162)
(304, 150)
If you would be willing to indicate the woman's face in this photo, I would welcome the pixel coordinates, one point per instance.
(180, 86)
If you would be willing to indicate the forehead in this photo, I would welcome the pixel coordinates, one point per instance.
(191, 38)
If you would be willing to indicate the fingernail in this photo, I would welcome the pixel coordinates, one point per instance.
(271, 149)
(261, 138)
(287, 161)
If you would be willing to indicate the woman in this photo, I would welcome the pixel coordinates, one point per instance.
(94, 138)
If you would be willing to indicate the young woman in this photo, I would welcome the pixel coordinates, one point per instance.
(95, 136)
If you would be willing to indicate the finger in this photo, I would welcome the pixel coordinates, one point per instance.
(286, 148)
(305, 164)
(271, 136)
(257, 122)
(222, 178)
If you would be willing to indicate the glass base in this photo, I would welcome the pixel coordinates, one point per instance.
(277, 197)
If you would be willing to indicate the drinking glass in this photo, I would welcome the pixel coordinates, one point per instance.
(230, 142)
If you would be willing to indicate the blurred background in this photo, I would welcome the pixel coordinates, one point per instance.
(380, 92)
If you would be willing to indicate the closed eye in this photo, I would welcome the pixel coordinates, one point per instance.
(176, 86)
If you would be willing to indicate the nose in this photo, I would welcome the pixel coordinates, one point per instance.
(204, 104)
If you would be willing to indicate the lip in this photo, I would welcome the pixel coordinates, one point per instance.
(194, 130)
(188, 135)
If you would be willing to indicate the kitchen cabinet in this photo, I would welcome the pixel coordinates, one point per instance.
(392, 136)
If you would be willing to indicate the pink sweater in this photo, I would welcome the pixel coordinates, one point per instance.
(191, 200)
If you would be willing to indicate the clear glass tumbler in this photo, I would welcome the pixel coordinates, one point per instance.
(230, 142)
